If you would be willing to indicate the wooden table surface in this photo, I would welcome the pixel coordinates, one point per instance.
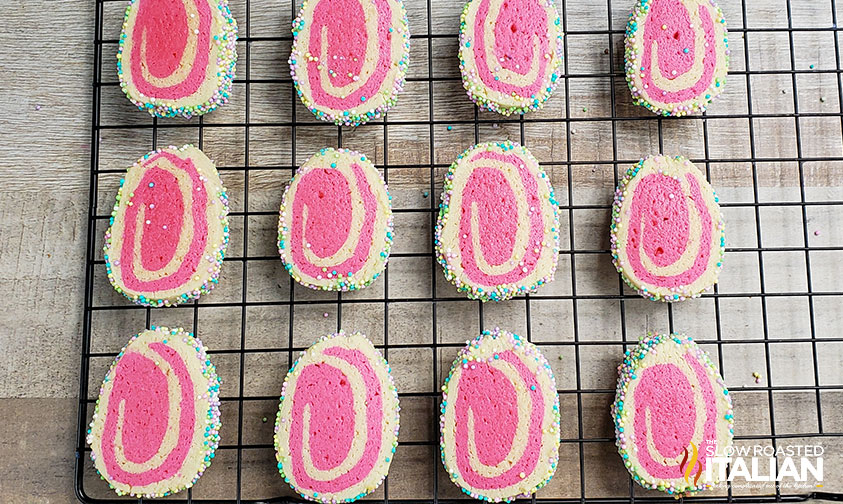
(45, 128)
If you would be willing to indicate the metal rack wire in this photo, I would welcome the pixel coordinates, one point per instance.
(136, 134)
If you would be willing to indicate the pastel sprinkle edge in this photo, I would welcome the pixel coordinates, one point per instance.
(348, 118)
(338, 283)
(226, 66)
(626, 373)
(531, 103)
(216, 260)
(701, 101)
(501, 292)
(680, 293)
(465, 354)
(315, 497)
(213, 417)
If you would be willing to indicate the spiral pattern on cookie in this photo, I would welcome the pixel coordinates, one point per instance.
(177, 57)
(510, 53)
(500, 418)
(337, 424)
(677, 55)
(498, 229)
(169, 228)
(335, 224)
(350, 57)
(672, 413)
(667, 233)
(156, 424)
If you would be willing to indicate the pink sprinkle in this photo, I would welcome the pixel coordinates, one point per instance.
(325, 314)
(817, 232)
(38, 107)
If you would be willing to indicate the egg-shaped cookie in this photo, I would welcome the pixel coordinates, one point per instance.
(500, 418)
(497, 235)
(168, 229)
(510, 53)
(668, 237)
(672, 415)
(177, 57)
(337, 426)
(335, 222)
(350, 57)
(156, 423)
(676, 55)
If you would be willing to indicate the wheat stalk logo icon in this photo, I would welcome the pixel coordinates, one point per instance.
(688, 465)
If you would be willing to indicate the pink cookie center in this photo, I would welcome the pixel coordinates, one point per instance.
(160, 189)
(344, 23)
(665, 394)
(676, 44)
(325, 195)
(493, 402)
(142, 390)
(660, 226)
(487, 189)
(326, 391)
(518, 25)
(163, 24)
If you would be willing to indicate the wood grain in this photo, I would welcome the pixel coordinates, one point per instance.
(45, 126)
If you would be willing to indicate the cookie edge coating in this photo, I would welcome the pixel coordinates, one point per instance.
(214, 418)
(337, 285)
(470, 290)
(226, 63)
(631, 173)
(700, 102)
(355, 119)
(625, 371)
(212, 280)
(389, 386)
(537, 103)
(517, 342)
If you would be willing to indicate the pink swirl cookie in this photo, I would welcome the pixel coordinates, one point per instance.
(177, 57)
(668, 237)
(337, 425)
(169, 228)
(156, 424)
(677, 55)
(510, 53)
(672, 412)
(498, 230)
(500, 418)
(350, 57)
(335, 224)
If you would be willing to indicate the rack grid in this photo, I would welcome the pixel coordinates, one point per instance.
(780, 319)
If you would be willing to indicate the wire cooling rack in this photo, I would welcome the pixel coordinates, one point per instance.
(772, 146)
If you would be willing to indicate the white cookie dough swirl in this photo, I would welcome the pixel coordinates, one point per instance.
(335, 223)
(350, 58)
(676, 55)
(156, 424)
(337, 424)
(672, 414)
(498, 228)
(510, 53)
(667, 232)
(500, 418)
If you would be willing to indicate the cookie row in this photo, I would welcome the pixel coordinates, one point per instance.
(156, 424)
(496, 236)
(349, 58)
